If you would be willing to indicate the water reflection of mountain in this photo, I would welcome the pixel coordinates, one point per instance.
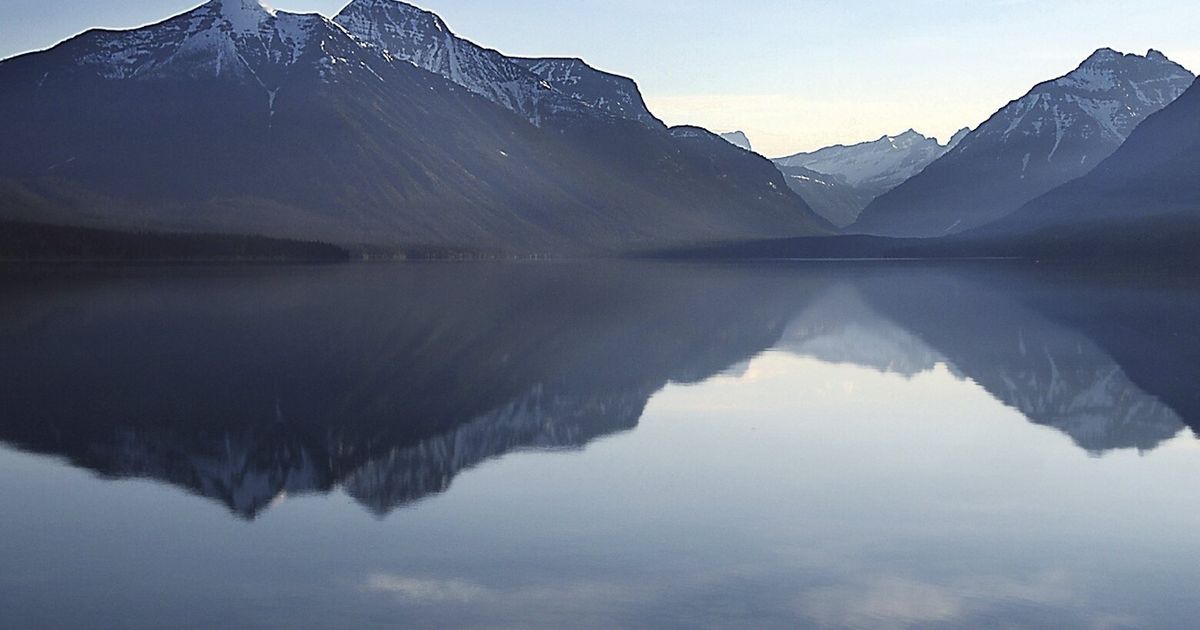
(389, 381)
(983, 326)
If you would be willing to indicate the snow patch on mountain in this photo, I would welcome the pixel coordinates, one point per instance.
(1101, 101)
(879, 165)
(423, 39)
(601, 90)
(241, 39)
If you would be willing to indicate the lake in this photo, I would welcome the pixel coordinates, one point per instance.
(599, 445)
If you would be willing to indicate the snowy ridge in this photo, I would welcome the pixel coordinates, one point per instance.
(1059, 131)
(240, 39)
(531, 88)
(608, 92)
(879, 165)
(252, 470)
(423, 39)
(1097, 104)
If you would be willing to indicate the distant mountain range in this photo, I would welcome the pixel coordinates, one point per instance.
(1057, 132)
(379, 128)
(859, 173)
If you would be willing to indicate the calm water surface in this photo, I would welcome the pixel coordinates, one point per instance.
(601, 445)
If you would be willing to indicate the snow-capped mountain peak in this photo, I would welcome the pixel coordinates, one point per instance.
(1058, 131)
(532, 88)
(610, 93)
(423, 39)
(243, 16)
(1110, 92)
(240, 40)
(876, 166)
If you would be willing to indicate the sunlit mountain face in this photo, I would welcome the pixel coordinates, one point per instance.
(388, 383)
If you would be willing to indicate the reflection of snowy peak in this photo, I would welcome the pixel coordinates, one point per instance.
(841, 328)
(251, 470)
(1066, 382)
(1054, 376)
(409, 473)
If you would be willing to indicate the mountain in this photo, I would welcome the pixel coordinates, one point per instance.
(532, 88)
(611, 93)
(828, 195)
(1057, 132)
(424, 40)
(234, 118)
(1148, 189)
(839, 181)
(878, 166)
(738, 139)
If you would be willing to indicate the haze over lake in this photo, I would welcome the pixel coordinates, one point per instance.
(599, 445)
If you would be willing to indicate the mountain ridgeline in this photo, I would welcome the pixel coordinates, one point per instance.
(380, 128)
(1059, 131)
(839, 181)
(1148, 189)
(382, 132)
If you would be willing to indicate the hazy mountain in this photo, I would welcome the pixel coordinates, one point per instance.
(828, 195)
(878, 166)
(1057, 132)
(839, 181)
(236, 118)
(1149, 188)
(738, 139)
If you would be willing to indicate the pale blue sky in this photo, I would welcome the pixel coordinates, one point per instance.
(795, 75)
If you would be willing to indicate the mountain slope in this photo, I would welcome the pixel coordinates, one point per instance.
(1149, 187)
(601, 90)
(234, 118)
(424, 40)
(828, 195)
(839, 181)
(1058, 131)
